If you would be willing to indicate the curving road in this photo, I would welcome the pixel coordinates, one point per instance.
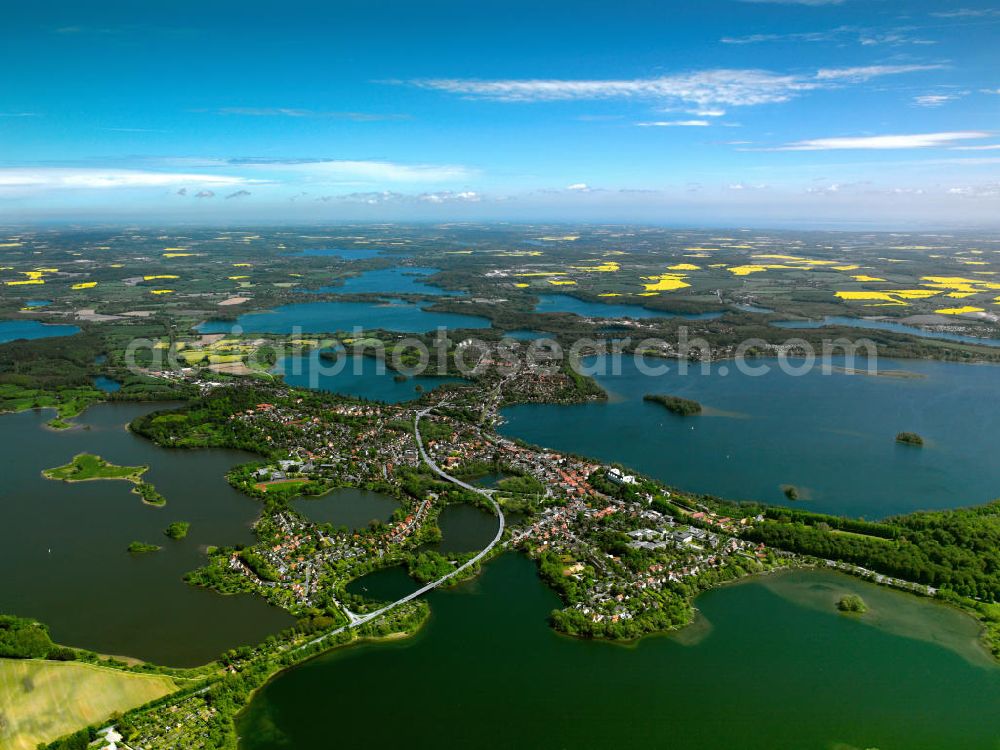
(357, 620)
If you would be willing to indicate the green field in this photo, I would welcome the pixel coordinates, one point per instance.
(86, 466)
(41, 701)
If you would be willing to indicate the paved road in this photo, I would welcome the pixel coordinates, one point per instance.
(358, 620)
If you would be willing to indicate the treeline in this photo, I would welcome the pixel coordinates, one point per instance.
(957, 550)
(21, 638)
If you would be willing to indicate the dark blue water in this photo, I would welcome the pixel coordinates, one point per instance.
(399, 280)
(329, 317)
(108, 385)
(32, 329)
(361, 376)
(883, 325)
(832, 436)
(525, 334)
(565, 303)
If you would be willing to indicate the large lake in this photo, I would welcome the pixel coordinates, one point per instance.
(67, 542)
(832, 436)
(769, 664)
(11, 330)
(330, 317)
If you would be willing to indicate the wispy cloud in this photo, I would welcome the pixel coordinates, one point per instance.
(708, 89)
(82, 178)
(238, 194)
(204, 194)
(864, 36)
(968, 13)
(935, 100)
(862, 73)
(18, 114)
(294, 112)
(874, 142)
(796, 2)
(364, 170)
(674, 124)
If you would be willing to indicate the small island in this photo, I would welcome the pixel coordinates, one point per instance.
(910, 438)
(86, 467)
(852, 603)
(177, 530)
(681, 406)
(142, 548)
(791, 492)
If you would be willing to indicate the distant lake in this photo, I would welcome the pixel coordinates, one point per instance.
(68, 542)
(884, 325)
(350, 253)
(768, 664)
(38, 303)
(565, 303)
(10, 330)
(329, 317)
(832, 436)
(399, 280)
(363, 377)
(754, 309)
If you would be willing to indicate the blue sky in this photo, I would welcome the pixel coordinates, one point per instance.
(791, 113)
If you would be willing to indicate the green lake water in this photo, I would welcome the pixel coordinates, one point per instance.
(348, 506)
(67, 542)
(769, 665)
(832, 436)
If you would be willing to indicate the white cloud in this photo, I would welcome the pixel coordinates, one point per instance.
(709, 112)
(82, 178)
(917, 140)
(580, 187)
(706, 90)
(465, 196)
(18, 114)
(675, 124)
(988, 147)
